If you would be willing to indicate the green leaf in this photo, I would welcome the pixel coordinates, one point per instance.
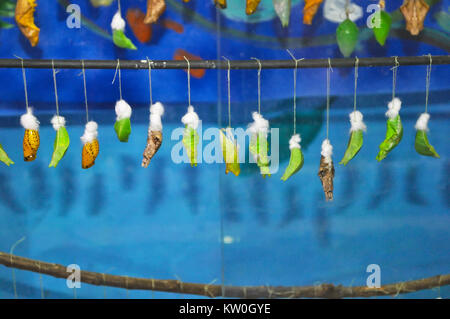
(422, 145)
(60, 146)
(9, 6)
(355, 143)
(190, 142)
(295, 163)
(121, 40)
(123, 129)
(382, 31)
(394, 134)
(230, 155)
(259, 148)
(5, 25)
(347, 37)
(4, 157)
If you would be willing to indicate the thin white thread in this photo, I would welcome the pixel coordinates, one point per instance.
(150, 80)
(428, 83)
(24, 83)
(85, 91)
(118, 5)
(229, 91)
(189, 79)
(394, 75)
(329, 69)
(295, 89)
(56, 89)
(259, 84)
(120, 78)
(356, 82)
(11, 251)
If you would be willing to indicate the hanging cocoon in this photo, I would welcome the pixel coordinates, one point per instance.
(382, 24)
(4, 157)
(394, 129)
(422, 145)
(258, 131)
(190, 136)
(154, 137)
(296, 160)
(62, 141)
(155, 8)
(119, 37)
(251, 6)
(283, 10)
(24, 16)
(31, 140)
(347, 37)
(326, 169)
(230, 151)
(123, 124)
(355, 141)
(90, 145)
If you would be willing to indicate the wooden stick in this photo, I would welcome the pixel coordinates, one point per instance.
(176, 286)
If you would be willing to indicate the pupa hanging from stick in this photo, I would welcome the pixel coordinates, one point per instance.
(259, 146)
(190, 135)
(326, 169)
(155, 137)
(31, 139)
(62, 140)
(90, 145)
(25, 20)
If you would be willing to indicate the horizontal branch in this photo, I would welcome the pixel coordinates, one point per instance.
(222, 64)
(176, 286)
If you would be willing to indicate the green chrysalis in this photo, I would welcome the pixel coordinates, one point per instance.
(121, 40)
(60, 146)
(190, 142)
(355, 143)
(296, 159)
(123, 129)
(4, 157)
(347, 37)
(259, 148)
(295, 163)
(422, 145)
(382, 25)
(394, 134)
(230, 153)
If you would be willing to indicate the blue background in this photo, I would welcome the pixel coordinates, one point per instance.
(165, 221)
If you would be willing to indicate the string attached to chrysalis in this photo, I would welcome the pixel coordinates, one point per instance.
(258, 131)
(394, 127)
(62, 140)
(191, 122)
(296, 160)
(123, 111)
(326, 167)
(118, 27)
(91, 146)
(154, 136)
(30, 123)
(230, 149)
(357, 128)
(421, 144)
